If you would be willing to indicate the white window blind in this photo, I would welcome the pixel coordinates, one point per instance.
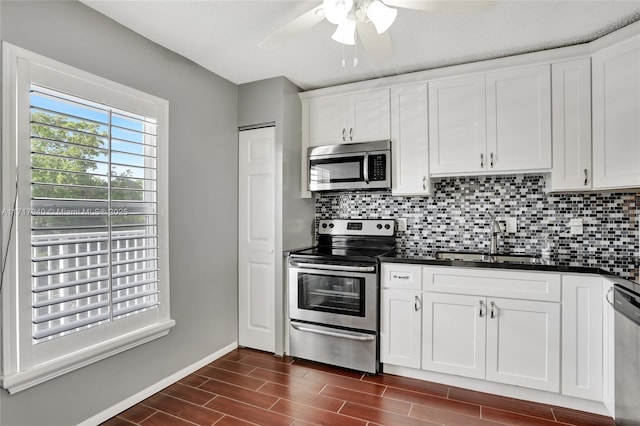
(85, 219)
(93, 214)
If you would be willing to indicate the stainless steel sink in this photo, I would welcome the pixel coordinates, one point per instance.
(496, 258)
(461, 255)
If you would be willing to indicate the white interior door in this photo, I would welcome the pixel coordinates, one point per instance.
(256, 239)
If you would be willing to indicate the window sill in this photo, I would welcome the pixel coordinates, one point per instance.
(22, 380)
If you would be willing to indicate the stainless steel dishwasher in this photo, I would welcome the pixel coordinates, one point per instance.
(626, 303)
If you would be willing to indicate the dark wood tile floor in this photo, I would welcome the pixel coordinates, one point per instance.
(247, 387)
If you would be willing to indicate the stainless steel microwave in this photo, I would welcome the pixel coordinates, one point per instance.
(350, 166)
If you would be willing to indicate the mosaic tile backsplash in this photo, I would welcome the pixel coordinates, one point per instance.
(455, 218)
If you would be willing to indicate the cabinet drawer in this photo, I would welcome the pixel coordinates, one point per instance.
(492, 283)
(397, 275)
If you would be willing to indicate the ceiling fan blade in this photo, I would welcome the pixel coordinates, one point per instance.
(298, 25)
(442, 4)
(378, 46)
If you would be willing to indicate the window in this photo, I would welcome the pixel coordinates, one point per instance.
(84, 219)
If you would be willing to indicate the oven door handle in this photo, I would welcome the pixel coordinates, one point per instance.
(361, 337)
(344, 268)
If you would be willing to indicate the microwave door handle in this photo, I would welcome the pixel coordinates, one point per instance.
(366, 168)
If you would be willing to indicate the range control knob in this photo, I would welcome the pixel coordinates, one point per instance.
(379, 226)
(324, 225)
(387, 226)
(331, 225)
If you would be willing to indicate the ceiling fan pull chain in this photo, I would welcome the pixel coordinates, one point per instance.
(355, 53)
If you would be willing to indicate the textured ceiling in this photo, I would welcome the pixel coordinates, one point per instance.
(223, 36)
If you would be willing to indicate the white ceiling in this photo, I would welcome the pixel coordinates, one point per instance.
(223, 36)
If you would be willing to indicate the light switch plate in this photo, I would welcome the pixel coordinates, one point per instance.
(401, 224)
(511, 225)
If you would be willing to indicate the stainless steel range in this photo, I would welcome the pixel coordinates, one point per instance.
(334, 293)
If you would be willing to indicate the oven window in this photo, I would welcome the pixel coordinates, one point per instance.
(337, 170)
(327, 293)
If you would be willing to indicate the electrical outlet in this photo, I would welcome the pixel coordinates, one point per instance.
(576, 226)
(512, 225)
(401, 224)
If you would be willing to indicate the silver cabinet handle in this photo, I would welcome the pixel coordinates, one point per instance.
(481, 309)
(493, 309)
(342, 333)
(491, 156)
(344, 134)
(351, 133)
(416, 303)
(424, 183)
(586, 177)
(482, 161)
(400, 277)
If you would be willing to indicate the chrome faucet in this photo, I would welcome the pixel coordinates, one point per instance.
(495, 231)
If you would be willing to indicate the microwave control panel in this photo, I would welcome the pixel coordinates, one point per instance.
(377, 167)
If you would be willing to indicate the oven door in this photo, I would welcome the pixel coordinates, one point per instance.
(338, 295)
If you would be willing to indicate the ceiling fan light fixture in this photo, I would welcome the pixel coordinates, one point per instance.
(346, 32)
(381, 15)
(336, 10)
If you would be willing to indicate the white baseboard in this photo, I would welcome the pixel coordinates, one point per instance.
(155, 388)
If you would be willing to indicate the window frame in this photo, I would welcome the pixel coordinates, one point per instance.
(24, 364)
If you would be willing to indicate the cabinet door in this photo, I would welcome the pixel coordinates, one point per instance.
(519, 119)
(616, 116)
(328, 120)
(582, 336)
(454, 334)
(400, 328)
(457, 125)
(571, 109)
(369, 116)
(523, 343)
(409, 140)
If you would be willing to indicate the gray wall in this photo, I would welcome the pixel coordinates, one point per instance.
(276, 100)
(203, 205)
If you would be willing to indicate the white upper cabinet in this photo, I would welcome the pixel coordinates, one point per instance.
(457, 125)
(409, 140)
(571, 114)
(491, 123)
(357, 117)
(328, 121)
(616, 115)
(519, 119)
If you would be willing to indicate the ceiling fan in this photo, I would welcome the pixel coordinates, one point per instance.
(352, 15)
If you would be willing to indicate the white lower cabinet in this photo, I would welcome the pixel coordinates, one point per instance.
(400, 328)
(523, 343)
(401, 314)
(537, 330)
(454, 334)
(502, 340)
(582, 341)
